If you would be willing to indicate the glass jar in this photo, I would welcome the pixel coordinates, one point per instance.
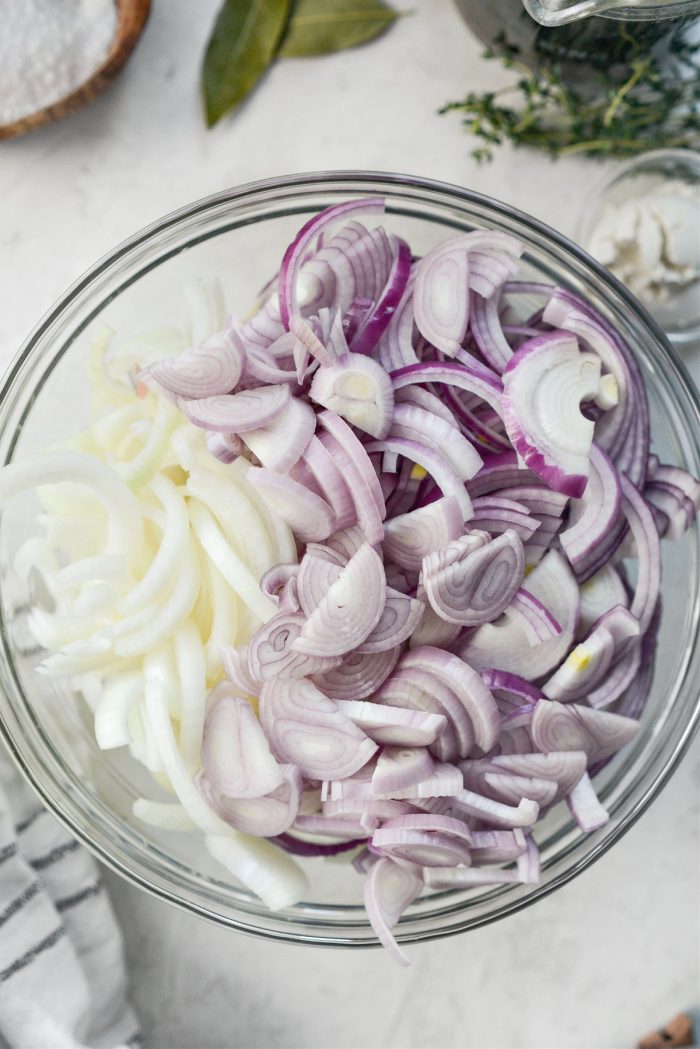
(239, 235)
(586, 45)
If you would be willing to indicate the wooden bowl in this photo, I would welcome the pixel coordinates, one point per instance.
(131, 18)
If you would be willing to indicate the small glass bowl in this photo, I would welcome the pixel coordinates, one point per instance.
(239, 236)
(679, 316)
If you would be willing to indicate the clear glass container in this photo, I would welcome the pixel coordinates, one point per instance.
(560, 12)
(239, 235)
(656, 173)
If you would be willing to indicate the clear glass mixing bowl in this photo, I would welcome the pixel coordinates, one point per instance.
(239, 235)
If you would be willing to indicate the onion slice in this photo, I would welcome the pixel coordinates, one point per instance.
(473, 579)
(389, 889)
(350, 610)
(235, 753)
(544, 384)
(307, 729)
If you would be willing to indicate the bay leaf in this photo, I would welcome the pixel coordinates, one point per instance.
(319, 27)
(243, 43)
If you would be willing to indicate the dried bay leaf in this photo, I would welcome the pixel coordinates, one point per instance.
(319, 27)
(243, 43)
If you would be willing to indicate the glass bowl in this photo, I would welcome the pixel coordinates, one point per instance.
(239, 235)
(652, 173)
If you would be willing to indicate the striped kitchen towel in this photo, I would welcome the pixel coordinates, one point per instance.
(62, 977)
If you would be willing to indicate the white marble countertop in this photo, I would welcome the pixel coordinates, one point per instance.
(601, 961)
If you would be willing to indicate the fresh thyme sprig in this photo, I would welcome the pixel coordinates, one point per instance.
(647, 98)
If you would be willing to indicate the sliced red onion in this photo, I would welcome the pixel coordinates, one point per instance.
(537, 499)
(646, 541)
(423, 426)
(597, 732)
(350, 610)
(507, 644)
(624, 431)
(353, 317)
(482, 260)
(324, 826)
(617, 681)
(271, 654)
(396, 347)
(598, 595)
(359, 390)
(353, 461)
(235, 664)
(346, 542)
(467, 685)
(433, 462)
(498, 515)
(427, 401)
(288, 597)
(295, 253)
(497, 846)
(376, 319)
(315, 577)
(480, 381)
(400, 617)
(585, 807)
(466, 877)
(235, 753)
(276, 578)
(263, 367)
(564, 768)
(297, 847)
(529, 863)
(433, 630)
(445, 781)
(511, 789)
(440, 303)
(308, 345)
(238, 412)
(328, 480)
(394, 726)
(510, 691)
(588, 663)
(381, 810)
(428, 822)
(473, 579)
(358, 676)
(544, 384)
(406, 692)
(401, 767)
(424, 848)
(495, 813)
(593, 515)
(499, 472)
(411, 536)
(485, 326)
(537, 621)
(308, 515)
(281, 444)
(307, 729)
(213, 368)
(389, 889)
(263, 817)
(226, 447)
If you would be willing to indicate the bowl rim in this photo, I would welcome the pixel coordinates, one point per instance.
(328, 181)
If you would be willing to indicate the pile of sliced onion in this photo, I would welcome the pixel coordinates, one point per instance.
(450, 646)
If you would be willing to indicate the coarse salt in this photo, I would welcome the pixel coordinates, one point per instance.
(48, 48)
